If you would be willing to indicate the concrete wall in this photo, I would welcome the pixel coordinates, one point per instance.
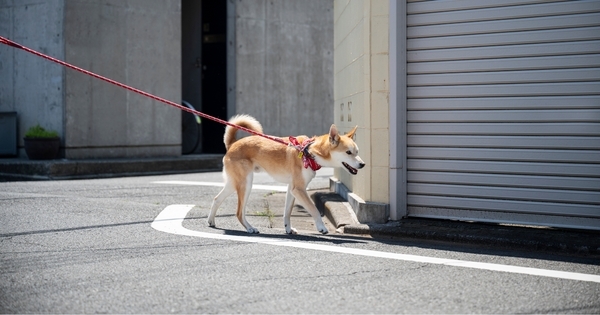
(29, 85)
(283, 74)
(361, 92)
(134, 42)
(284, 64)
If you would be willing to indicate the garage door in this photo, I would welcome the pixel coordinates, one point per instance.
(503, 111)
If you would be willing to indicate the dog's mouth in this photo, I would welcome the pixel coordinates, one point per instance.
(350, 169)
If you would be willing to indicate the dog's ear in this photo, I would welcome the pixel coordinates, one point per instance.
(351, 133)
(334, 135)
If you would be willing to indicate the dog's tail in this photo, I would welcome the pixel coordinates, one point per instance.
(245, 121)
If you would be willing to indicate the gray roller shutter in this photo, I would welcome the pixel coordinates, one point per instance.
(503, 111)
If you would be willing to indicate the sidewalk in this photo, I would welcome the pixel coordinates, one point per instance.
(566, 241)
(24, 169)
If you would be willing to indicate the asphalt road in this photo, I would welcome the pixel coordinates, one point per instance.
(89, 246)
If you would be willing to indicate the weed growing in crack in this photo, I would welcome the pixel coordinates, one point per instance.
(267, 212)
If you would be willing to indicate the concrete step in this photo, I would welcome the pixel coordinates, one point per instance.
(15, 169)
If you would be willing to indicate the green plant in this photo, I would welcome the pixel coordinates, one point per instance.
(38, 131)
(267, 213)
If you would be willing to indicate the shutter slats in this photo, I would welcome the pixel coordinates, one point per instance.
(518, 155)
(510, 168)
(542, 208)
(509, 51)
(532, 116)
(505, 103)
(506, 193)
(492, 65)
(442, 6)
(517, 38)
(503, 111)
(502, 13)
(504, 90)
(506, 77)
(507, 25)
(508, 128)
(513, 180)
(504, 142)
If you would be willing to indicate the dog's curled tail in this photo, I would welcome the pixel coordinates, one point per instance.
(245, 121)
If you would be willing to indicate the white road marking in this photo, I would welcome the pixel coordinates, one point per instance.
(171, 218)
(215, 184)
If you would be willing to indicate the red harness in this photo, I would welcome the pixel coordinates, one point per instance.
(307, 158)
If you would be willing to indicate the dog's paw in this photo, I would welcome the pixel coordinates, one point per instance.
(252, 230)
(323, 230)
(211, 223)
(291, 231)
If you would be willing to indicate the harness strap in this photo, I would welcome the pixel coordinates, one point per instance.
(307, 158)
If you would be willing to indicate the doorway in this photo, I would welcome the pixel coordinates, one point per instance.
(204, 73)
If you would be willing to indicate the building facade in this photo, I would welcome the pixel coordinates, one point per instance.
(116, 39)
(484, 111)
(270, 59)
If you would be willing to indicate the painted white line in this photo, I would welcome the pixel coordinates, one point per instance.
(215, 184)
(171, 218)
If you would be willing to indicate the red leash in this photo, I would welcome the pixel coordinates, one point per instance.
(8, 42)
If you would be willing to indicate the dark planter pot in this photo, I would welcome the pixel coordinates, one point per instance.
(42, 149)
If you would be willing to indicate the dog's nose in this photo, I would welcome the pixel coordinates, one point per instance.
(361, 165)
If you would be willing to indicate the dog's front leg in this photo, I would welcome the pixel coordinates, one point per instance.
(287, 212)
(304, 201)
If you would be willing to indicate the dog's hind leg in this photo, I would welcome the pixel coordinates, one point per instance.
(287, 211)
(225, 192)
(304, 201)
(243, 191)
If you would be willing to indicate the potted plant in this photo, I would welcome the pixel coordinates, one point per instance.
(41, 144)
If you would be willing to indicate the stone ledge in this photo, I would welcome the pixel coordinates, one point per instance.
(365, 211)
(22, 169)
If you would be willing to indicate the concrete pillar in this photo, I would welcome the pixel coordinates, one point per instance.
(284, 65)
(134, 42)
(29, 85)
(361, 92)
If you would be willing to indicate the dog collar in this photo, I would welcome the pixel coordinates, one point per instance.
(307, 159)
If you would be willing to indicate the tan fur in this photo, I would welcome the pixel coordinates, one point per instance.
(245, 121)
(255, 153)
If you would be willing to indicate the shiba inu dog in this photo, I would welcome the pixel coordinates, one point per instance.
(291, 165)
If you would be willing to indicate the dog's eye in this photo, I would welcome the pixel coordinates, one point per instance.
(349, 152)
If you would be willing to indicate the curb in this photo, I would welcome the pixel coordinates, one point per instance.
(22, 169)
(580, 242)
(335, 208)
